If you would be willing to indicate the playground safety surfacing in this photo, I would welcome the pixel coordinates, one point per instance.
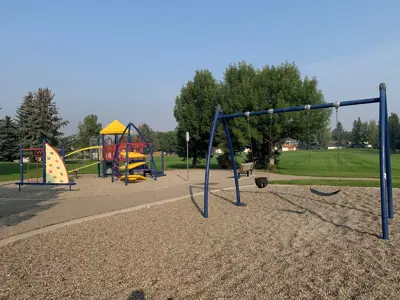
(284, 244)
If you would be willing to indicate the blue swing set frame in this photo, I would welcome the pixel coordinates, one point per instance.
(384, 149)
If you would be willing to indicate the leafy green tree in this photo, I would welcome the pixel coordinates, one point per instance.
(373, 134)
(8, 139)
(323, 137)
(193, 111)
(167, 141)
(87, 130)
(394, 131)
(247, 89)
(38, 119)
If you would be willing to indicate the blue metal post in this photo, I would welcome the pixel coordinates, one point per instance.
(382, 89)
(153, 168)
(208, 160)
(127, 156)
(44, 160)
(98, 156)
(382, 163)
(62, 152)
(162, 163)
(113, 164)
(104, 157)
(21, 167)
(235, 174)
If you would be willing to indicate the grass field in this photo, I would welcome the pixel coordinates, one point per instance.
(10, 171)
(354, 163)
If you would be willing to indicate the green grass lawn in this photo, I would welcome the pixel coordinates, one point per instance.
(324, 163)
(355, 163)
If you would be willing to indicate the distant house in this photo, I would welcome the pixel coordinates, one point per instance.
(290, 145)
(218, 151)
(333, 145)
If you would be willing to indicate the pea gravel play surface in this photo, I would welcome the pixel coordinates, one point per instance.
(287, 243)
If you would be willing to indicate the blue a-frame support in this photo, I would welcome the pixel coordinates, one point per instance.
(384, 149)
(153, 170)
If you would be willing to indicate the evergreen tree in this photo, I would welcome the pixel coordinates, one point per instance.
(38, 119)
(357, 133)
(24, 115)
(394, 131)
(8, 139)
(338, 133)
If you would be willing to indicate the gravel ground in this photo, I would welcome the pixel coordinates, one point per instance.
(286, 243)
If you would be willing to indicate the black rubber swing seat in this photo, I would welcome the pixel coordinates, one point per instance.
(324, 194)
(261, 182)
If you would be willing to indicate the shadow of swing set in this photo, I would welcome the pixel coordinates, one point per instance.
(262, 182)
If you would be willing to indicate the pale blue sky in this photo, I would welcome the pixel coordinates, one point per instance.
(128, 60)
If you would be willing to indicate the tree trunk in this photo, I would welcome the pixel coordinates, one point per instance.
(194, 160)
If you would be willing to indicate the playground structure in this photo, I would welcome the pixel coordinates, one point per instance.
(129, 158)
(113, 139)
(54, 171)
(384, 149)
(96, 155)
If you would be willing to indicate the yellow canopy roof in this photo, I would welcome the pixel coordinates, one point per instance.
(115, 127)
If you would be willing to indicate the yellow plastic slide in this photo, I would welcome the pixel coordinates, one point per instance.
(83, 149)
(133, 177)
(76, 169)
(133, 165)
(133, 155)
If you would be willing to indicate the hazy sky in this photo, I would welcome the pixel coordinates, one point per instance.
(128, 60)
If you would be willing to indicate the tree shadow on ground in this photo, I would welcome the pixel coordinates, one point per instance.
(17, 207)
(302, 209)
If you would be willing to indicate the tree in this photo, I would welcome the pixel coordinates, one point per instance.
(69, 143)
(347, 137)
(167, 141)
(38, 119)
(357, 133)
(193, 111)
(373, 134)
(149, 135)
(247, 89)
(338, 133)
(323, 137)
(8, 139)
(23, 116)
(394, 134)
(87, 129)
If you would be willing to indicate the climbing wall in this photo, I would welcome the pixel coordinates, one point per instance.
(56, 172)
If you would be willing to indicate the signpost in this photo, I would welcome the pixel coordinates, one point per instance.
(187, 155)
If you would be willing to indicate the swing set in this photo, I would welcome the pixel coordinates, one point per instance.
(262, 182)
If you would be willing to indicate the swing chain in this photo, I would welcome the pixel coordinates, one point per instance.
(247, 114)
(337, 105)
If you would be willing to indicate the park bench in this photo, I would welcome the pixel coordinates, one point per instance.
(246, 168)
